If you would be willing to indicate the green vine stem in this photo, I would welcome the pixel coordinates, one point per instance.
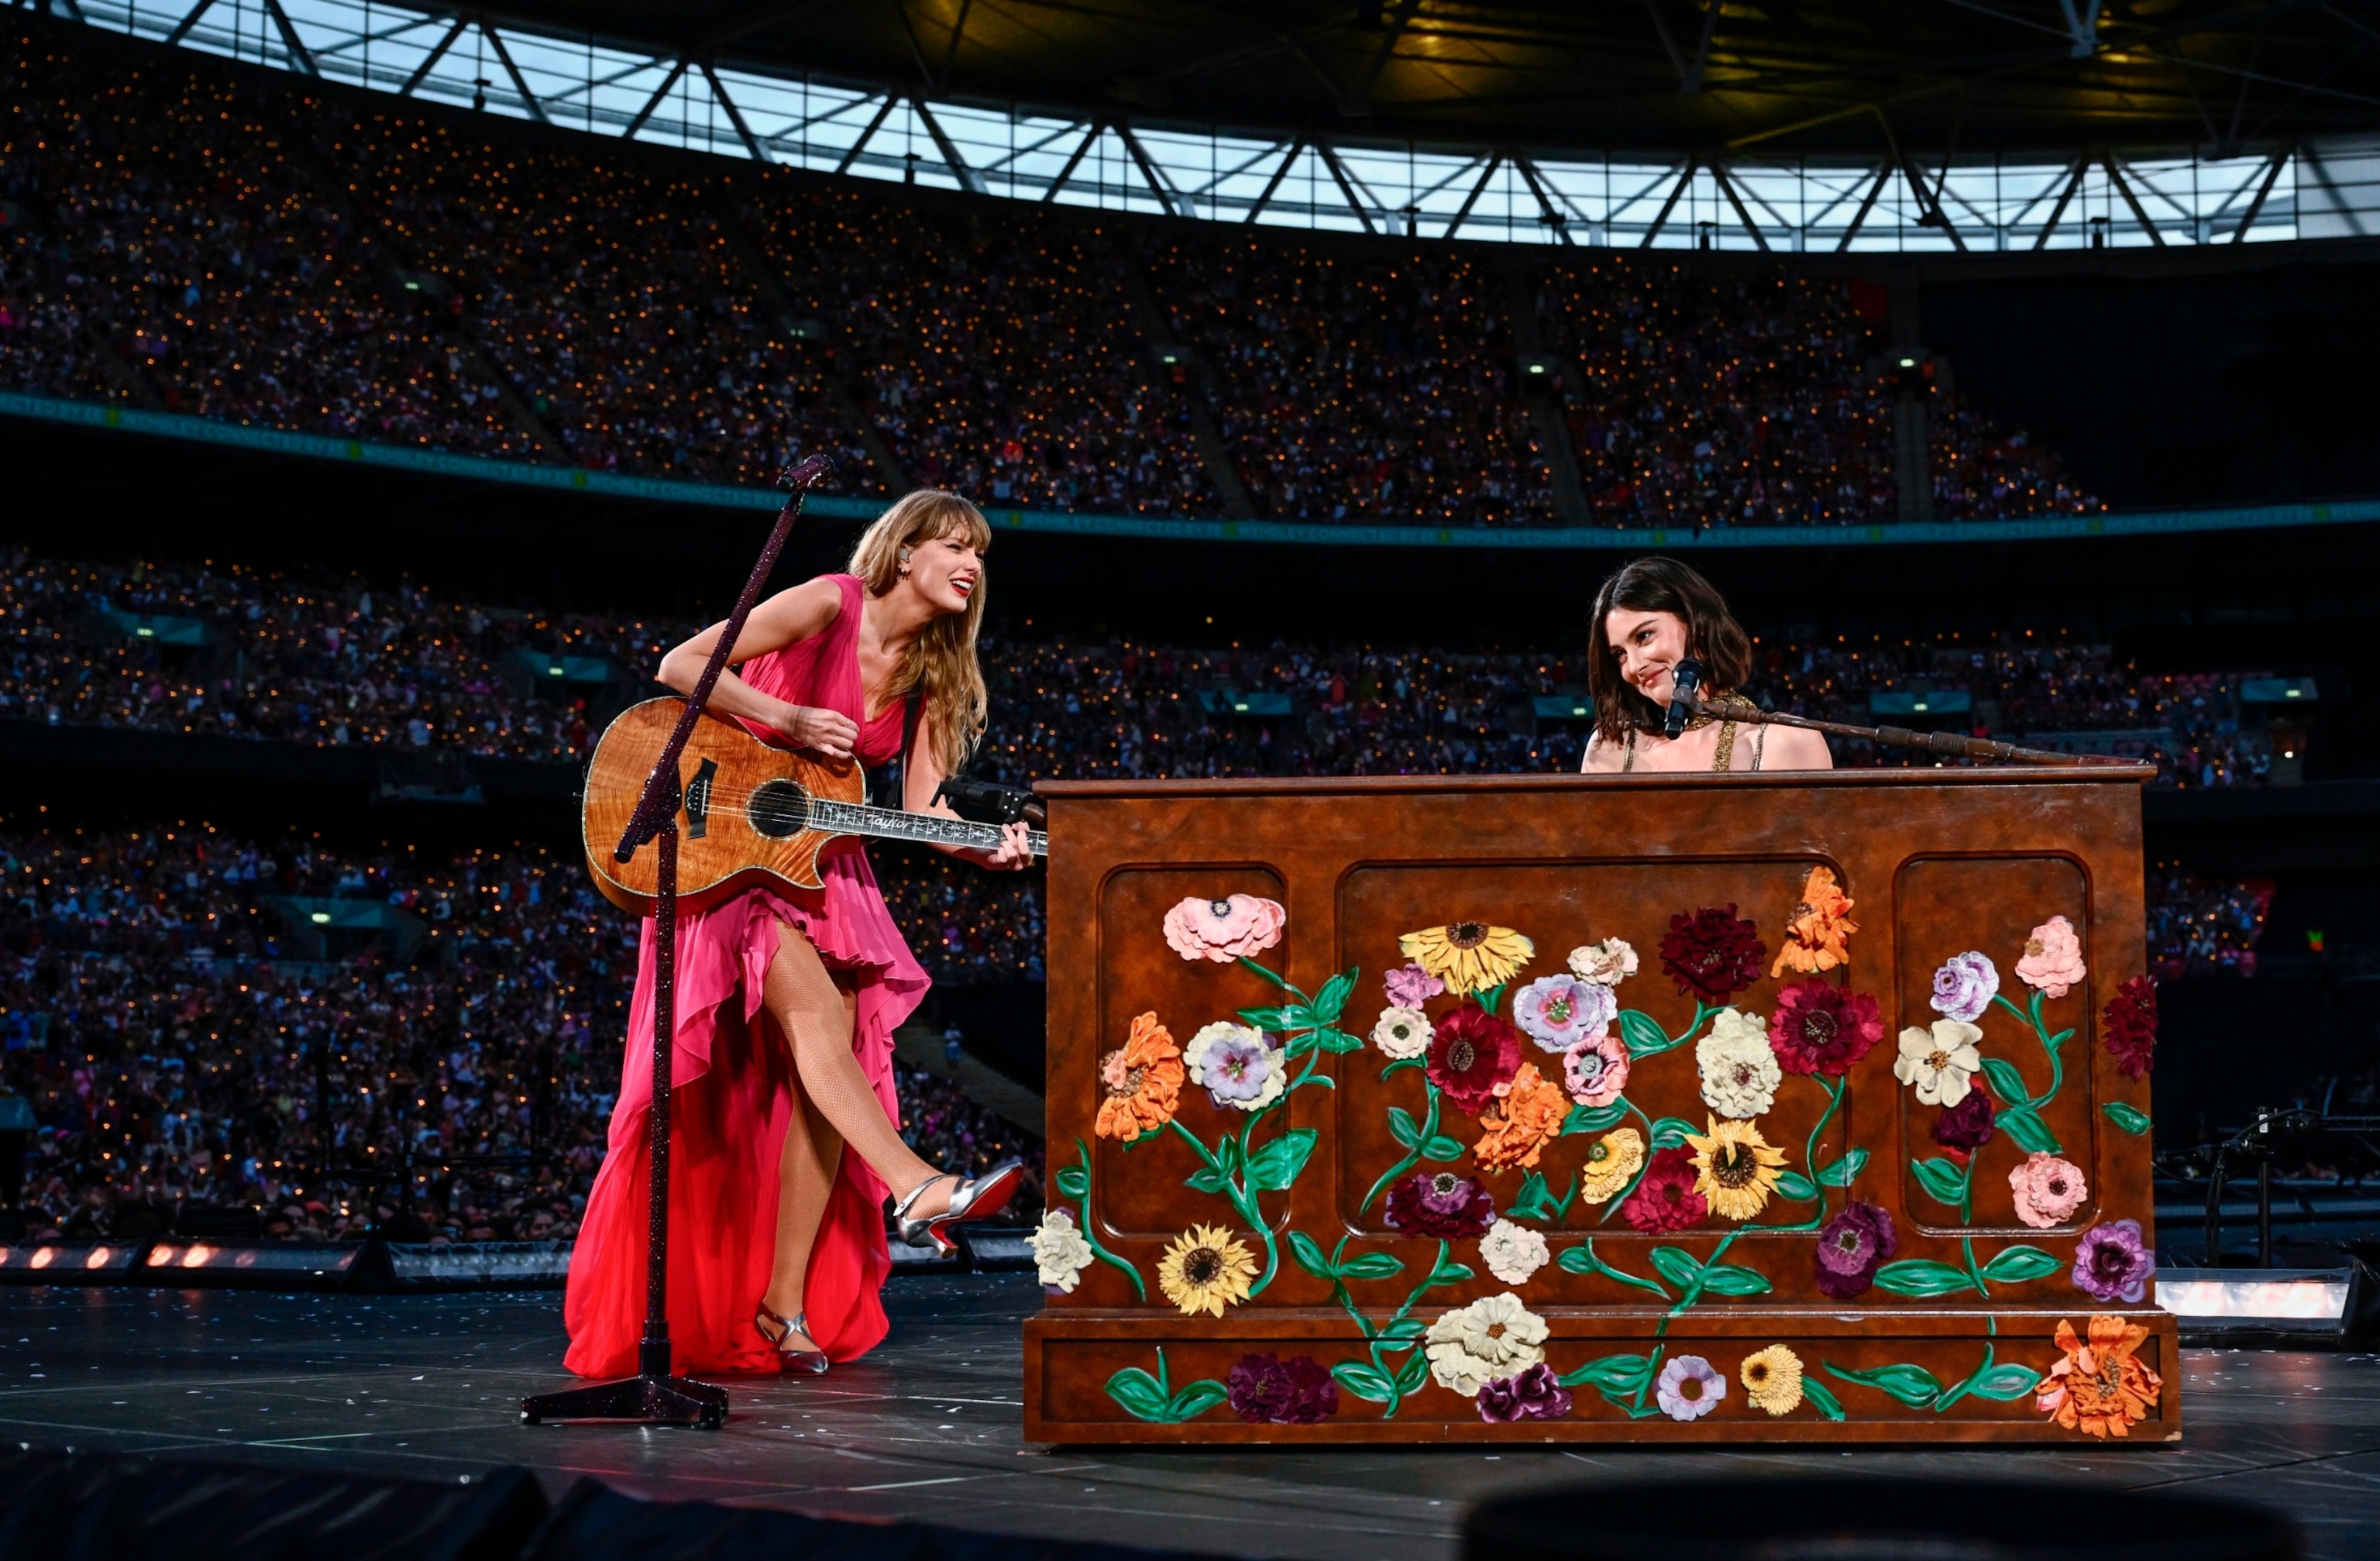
(1074, 1183)
(1581, 1259)
(1834, 1088)
(1377, 1380)
(1231, 1183)
(1154, 1398)
(2021, 1113)
(1426, 1137)
(1912, 1386)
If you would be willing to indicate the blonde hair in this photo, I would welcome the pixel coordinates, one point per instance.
(940, 662)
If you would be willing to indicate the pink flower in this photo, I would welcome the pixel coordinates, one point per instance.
(1224, 930)
(1596, 1070)
(2047, 1189)
(1409, 987)
(2053, 958)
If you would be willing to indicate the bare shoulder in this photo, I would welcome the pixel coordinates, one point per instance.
(801, 611)
(1602, 757)
(1790, 748)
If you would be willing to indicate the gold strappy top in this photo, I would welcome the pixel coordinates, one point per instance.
(1723, 758)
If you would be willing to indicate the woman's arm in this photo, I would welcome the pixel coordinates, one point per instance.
(1789, 747)
(921, 777)
(785, 618)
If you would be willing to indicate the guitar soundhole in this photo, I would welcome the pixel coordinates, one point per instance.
(779, 808)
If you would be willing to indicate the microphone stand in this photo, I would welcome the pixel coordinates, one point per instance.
(656, 1395)
(1948, 743)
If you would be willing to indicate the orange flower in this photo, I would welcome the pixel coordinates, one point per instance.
(1521, 1122)
(2101, 1387)
(1815, 932)
(1143, 1081)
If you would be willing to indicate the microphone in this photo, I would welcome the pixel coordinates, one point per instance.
(806, 473)
(1684, 682)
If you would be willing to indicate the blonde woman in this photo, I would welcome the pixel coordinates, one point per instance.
(784, 1144)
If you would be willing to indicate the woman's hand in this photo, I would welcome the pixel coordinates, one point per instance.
(822, 731)
(1015, 852)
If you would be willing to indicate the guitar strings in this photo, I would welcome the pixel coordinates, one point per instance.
(796, 815)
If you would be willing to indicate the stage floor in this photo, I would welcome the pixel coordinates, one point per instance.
(927, 1427)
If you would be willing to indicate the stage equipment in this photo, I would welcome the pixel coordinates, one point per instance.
(1756, 1202)
(989, 802)
(57, 1505)
(656, 1396)
(477, 1266)
(1852, 1519)
(2285, 1308)
(1950, 744)
(1685, 681)
(753, 813)
(256, 1264)
(70, 1263)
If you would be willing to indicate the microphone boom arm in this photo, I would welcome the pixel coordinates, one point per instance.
(1949, 745)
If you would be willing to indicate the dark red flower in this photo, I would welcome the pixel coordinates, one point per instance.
(1472, 1055)
(1820, 1028)
(1666, 1199)
(1268, 1390)
(1966, 1127)
(2128, 1026)
(1439, 1203)
(1712, 953)
(1854, 1245)
(1534, 1393)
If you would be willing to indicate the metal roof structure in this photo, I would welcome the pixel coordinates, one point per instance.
(1860, 125)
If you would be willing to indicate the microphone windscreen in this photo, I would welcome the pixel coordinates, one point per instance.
(807, 472)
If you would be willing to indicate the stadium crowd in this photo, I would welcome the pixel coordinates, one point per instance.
(260, 252)
(2199, 925)
(443, 1059)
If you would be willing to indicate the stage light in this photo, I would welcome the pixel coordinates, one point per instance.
(2240, 1305)
(1909, 363)
(321, 918)
(69, 1263)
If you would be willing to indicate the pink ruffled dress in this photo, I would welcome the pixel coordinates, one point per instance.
(732, 1088)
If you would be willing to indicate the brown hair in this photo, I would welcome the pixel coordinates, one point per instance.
(941, 660)
(1713, 638)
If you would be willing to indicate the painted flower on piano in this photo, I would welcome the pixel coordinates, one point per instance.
(1205, 1269)
(1611, 1163)
(1739, 1071)
(1512, 1253)
(1666, 1199)
(1473, 1055)
(1595, 1072)
(1439, 1203)
(1222, 930)
(1236, 1064)
(1494, 1336)
(2101, 1387)
(1143, 1079)
(2128, 1026)
(1468, 956)
(1410, 986)
(1534, 1393)
(1268, 1390)
(1822, 1028)
(1607, 964)
(1735, 1167)
(1940, 1064)
(1519, 1123)
(2111, 1264)
(1818, 931)
(1772, 1379)
(1060, 1251)
(1712, 953)
(1403, 1034)
(1857, 1242)
(1966, 985)
(1561, 1011)
(2047, 1189)
(2053, 958)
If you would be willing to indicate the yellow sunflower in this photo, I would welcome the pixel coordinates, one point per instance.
(1468, 956)
(1735, 1168)
(1616, 1157)
(1205, 1270)
(1772, 1379)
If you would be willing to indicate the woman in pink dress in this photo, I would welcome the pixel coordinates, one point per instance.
(786, 1146)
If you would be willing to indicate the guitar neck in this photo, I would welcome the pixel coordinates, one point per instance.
(893, 824)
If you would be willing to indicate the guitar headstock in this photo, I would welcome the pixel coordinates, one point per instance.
(804, 474)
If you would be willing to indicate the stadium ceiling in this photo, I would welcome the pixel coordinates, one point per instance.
(1789, 77)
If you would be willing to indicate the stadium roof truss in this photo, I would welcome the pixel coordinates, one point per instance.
(698, 98)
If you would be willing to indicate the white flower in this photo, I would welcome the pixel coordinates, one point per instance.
(1606, 963)
(1513, 1251)
(1238, 1066)
(1403, 1033)
(1061, 1251)
(1940, 1064)
(1738, 1067)
(1493, 1337)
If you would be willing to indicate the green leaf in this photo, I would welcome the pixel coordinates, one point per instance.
(1206, 1179)
(1845, 1171)
(1643, 1037)
(1595, 1118)
(1403, 1062)
(1196, 1399)
(1670, 1133)
(2059, 1039)
(2131, 1118)
(1727, 1279)
(1534, 1201)
(1494, 995)
(1274, 1166)
(2014, 1265)
(1578, 1260)
(1922, 1276)
(1442, 1148)
(1677, 1266)
(1289, 1017)
(1821, 1398)
(1331, 1001)
(1074, 1182)
(2006, 1081)
(1331, 1039)
(1403, 1127)
(1308, 1254)
(1373, 1265)
(1248, 963)
(2004, 1383)
(1403, 1334)
(1795, 1188)
(1414, 1374)
(1913, 1385)
(1945, 1180)
(1621, 1375)
(1365, 1381)
(2030, 1134)
(1450, 1274)
(1139, 1395)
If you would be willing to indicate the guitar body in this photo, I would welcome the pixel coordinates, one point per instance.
(746, 818)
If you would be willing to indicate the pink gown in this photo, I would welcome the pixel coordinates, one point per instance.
(731, 1094)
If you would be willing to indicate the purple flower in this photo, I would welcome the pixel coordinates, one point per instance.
(2110, 1264)
(1266, 1390)
(1854, 1245)
(1965, 987)
(1966, 1127)
(1536, 1394)
(1559, 1011)
(1439, 1203)
(1689, 1388)
(1409, 987)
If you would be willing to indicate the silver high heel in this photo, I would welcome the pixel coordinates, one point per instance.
(791, 1362)
(971, 1198)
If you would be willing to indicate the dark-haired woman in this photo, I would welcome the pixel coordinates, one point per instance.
(1649, 617)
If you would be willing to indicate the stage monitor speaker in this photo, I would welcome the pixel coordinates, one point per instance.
(1857, 1519)
(108, 1506)
(594, 1524)
(70, 1263)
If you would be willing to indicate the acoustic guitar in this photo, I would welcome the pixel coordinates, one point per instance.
(752, 812)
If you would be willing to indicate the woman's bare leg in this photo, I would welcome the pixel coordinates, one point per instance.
(816, 1017)
(806, 1173)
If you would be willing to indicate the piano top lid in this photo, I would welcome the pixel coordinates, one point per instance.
(1792, 779)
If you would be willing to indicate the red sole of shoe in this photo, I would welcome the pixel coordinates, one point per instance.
(990, 1200)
